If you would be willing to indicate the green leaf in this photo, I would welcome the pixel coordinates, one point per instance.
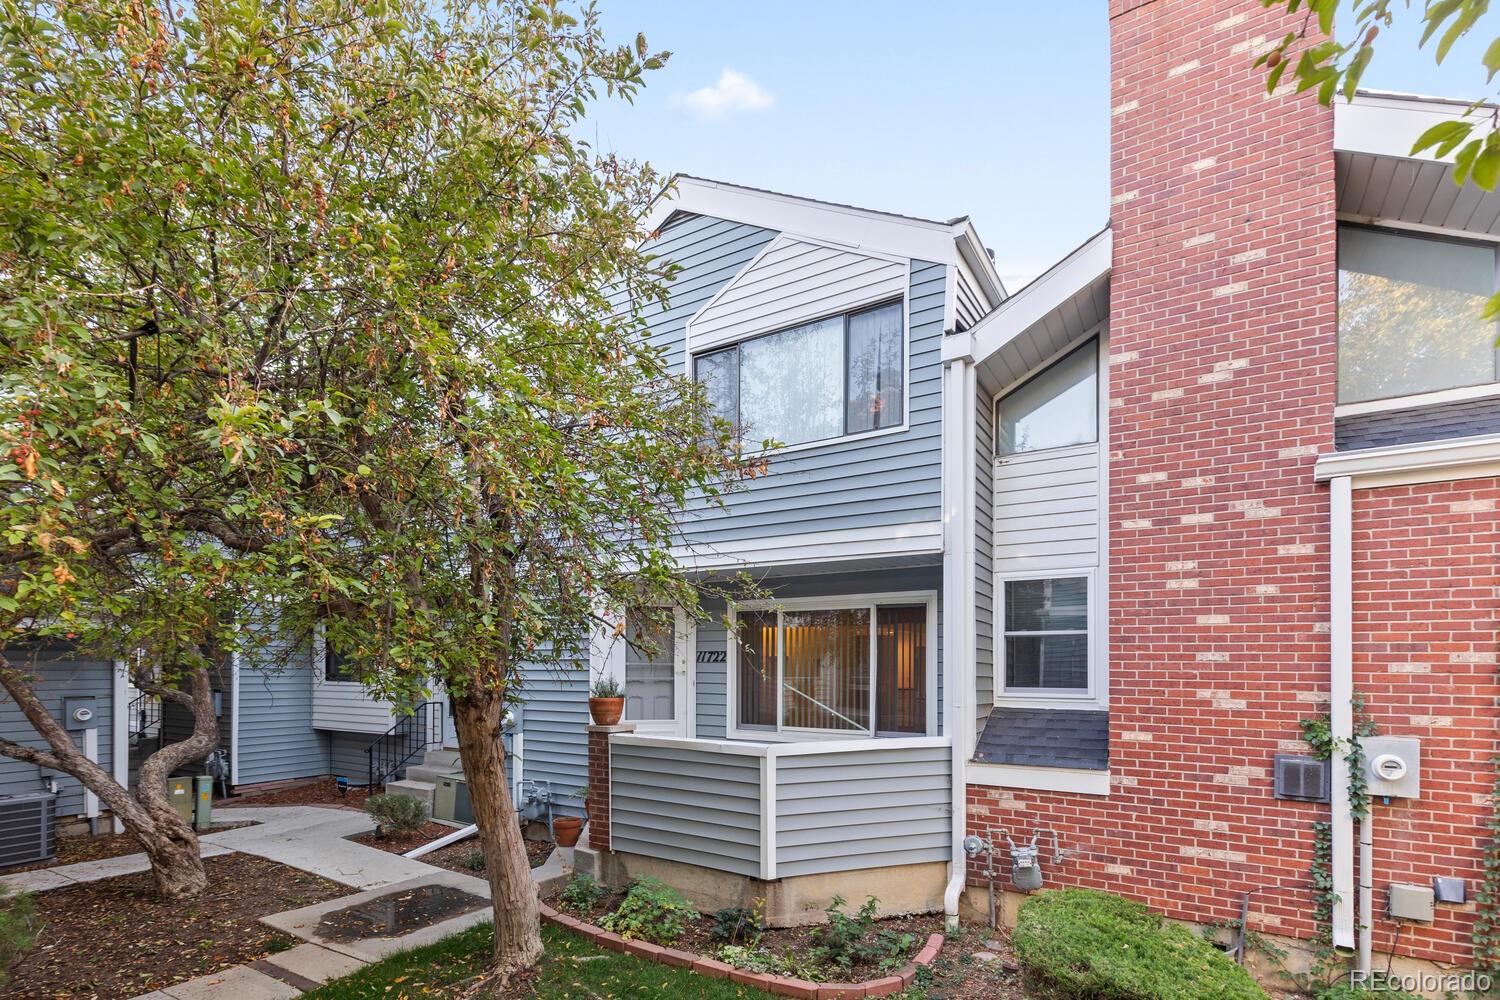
(1445, 135)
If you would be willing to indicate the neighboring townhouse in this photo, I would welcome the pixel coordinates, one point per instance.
(1286, 503)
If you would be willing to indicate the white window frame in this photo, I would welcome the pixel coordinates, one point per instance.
(873, 602)
(691, 368)
(1052, 697)
(1429, 397)
(1093, 338)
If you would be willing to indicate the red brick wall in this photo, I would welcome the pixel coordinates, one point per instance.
(1426, 619)
(1222, 366)
(597, 803)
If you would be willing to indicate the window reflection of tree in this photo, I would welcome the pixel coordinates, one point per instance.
(792, 383)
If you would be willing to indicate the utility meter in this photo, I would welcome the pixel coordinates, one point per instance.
(1393, 766)
(79, 714)
(1025, 873)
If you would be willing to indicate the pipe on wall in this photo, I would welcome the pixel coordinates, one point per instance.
(1341, 701)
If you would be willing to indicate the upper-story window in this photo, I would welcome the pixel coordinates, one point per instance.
(842, 375)
(1055, 408)
(335, 666)
(1409, 308)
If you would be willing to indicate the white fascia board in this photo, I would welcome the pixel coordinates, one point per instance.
(971, 248)
(1032, 304)
(855, 228)
(915, 538)
(1074, 780)
(1424, 462)
(1389, 124)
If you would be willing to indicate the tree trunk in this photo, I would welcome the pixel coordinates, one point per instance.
(513, 894)
(169, 842)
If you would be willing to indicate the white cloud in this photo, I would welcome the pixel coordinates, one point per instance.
(732, 92)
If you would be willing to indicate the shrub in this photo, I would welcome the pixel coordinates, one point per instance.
(396, 813)
(738, 925)
(845, 941)
(474, 861)
(1079, 944)
(652, 911)
(607, 687)
(581, 893)
(17, 928)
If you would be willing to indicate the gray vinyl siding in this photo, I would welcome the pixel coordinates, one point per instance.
(884, 480)
(347, 757)
(870, 809)
(712, 679)
(984, 565)
(688, 806)
(277, 738)
(57, 677)
(969, 306)
(1047, 509)
(554, 718)
(1463, 418)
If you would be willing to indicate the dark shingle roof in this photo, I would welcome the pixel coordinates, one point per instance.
(1044, 737)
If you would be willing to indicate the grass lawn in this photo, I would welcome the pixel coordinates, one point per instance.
(571, 968)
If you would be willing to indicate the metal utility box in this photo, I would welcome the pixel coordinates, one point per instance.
(1411, 902)
(1393, 766)
(450, 799)
(80, 714)
(1302, 779)
(180, 795)
(28, 828)
(203, 801)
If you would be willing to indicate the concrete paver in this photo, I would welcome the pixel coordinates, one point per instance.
(312, 961)
(239, 982)
(314, 840)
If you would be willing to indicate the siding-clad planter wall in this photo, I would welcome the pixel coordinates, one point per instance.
(554, 724)
(842, 811)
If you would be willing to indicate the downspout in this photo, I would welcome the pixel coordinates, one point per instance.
(119, 732)
(958, 603)
(1341, 708)
(234, 719)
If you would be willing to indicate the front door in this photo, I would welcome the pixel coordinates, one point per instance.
(656, 678)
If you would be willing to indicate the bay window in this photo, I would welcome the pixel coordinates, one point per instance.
(838, 666)
(1409, 314)
(813, 382)
(1045, 645)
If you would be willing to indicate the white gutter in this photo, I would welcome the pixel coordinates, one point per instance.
(1341, 701)
(958, 601)
(1425, 461)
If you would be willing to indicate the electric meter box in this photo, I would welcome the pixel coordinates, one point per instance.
(80, 713)
(1393, 766)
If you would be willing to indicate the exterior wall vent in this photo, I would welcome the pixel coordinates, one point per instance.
(1305, 779)
(28, 828)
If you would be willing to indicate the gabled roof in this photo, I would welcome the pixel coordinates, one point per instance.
(1067, 301)
(941, 242)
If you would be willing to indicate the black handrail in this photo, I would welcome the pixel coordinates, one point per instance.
(144, 714)
(408, 737)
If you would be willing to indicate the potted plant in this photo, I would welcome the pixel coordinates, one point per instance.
(566, 830)
(606, 701)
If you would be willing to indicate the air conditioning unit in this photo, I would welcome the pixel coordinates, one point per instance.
(28, 828)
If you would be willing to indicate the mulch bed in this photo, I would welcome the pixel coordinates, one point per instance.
(318, 792)
(72, 850)
(460, 857)
(115, 939)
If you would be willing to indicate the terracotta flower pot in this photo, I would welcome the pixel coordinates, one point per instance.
(606, 711)
(565, 830)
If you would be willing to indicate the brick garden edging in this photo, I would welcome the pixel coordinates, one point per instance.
(779, 985)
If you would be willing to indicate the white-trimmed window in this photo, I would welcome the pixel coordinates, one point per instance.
(851, 666)
(1046, 634)
(1058, 407)
(1409, 314)
(817, 381)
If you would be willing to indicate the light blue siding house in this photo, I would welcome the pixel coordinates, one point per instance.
(807, 753)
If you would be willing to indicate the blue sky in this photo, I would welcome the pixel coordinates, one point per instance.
(997, 110)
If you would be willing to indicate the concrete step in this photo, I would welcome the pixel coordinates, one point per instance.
(431, 775)
(415, 788)
(447, 760)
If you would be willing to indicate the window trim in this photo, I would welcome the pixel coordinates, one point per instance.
(690, 365)
(837, 602)
(1062, 697)
(1424, 397)
(320, 662)
(1091, 340)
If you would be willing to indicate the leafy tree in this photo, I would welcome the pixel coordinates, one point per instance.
(361, 317)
